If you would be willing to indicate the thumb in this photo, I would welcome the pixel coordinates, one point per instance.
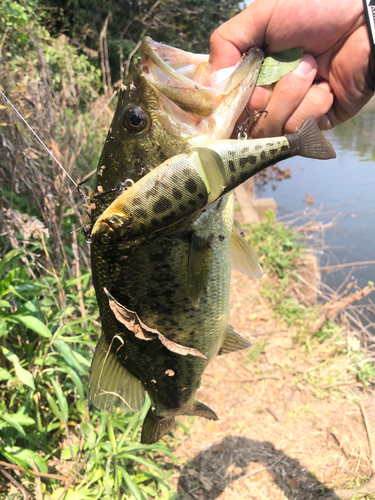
(247, 29)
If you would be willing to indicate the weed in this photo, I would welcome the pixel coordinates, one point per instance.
(256, 351)
(45, 422)
(364, 367)
(276, 246)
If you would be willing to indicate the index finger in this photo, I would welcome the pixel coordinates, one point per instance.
(230, 40)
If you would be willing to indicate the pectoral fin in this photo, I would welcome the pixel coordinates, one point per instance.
(243, 256)
(233, 342)
(199, 267)
(201, 410)
(110, 383)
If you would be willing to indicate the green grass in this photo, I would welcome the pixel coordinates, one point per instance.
(46, 422)
(276, 246)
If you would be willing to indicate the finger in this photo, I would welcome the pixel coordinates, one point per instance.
(349, 73)
(230, 40)
(285, 98)
(318, 101)
(260, 98)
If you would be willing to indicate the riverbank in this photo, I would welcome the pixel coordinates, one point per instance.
(296, 411)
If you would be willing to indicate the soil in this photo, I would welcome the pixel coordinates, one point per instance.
(294, 420)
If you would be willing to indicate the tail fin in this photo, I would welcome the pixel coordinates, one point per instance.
(155, 427)
(308, 141)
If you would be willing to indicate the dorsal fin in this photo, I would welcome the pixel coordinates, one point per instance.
(199, 266)
(243, 256)
(233, 342)
(111, 384)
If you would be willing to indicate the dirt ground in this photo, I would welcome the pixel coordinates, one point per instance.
(294, 421)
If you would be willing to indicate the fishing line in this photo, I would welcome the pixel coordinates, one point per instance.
(45, 147)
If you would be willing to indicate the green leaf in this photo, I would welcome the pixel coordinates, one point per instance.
(54, 408)
(82, 360)
(23, 419)
(68, 354)
(66, 453)
(60, 493)
(76, 380)
(4, 375)
(31, 458)
(10, 259)
(24, 375)
(33, 324)
(133, 488)
(278, 65)
(63, 403)
(9, 455)
(17, 420)
(11, 421)
(111, 436)
(94, 476)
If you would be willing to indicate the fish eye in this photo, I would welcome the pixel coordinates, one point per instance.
(135, 120)
(105, 239)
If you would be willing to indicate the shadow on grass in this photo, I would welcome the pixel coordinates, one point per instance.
(216, 468)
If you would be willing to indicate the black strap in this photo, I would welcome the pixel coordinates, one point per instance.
(369, 6)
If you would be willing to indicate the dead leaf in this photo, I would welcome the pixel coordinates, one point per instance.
(218, 448)
(55, 150)
(133, 323)
(193, 473)
(207, 483)
(19, 89)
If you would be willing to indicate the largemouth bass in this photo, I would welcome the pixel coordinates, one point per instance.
(163, 292)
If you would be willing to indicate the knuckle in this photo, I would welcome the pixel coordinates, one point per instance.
(317, 102)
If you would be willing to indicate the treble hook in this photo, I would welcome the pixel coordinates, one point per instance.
(242, 135)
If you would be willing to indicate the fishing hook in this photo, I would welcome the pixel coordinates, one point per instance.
(243, 127)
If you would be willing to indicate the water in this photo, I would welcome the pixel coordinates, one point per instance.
(343, 186)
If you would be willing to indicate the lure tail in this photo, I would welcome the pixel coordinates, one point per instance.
(309, 142)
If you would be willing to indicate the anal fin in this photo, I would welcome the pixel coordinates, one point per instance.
(199, 266)
(233, 342)
(243, 256)
(111, 384)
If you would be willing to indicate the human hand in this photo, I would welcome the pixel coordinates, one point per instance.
(333, 80)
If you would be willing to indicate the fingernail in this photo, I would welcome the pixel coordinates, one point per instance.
(305, 67)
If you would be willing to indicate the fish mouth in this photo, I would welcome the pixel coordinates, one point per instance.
(194, 99)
